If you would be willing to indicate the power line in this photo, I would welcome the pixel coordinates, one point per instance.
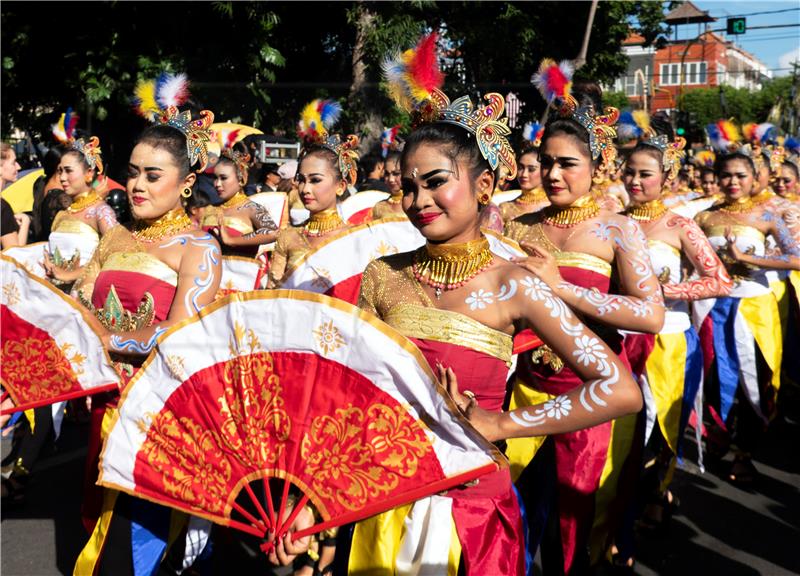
(755, 13)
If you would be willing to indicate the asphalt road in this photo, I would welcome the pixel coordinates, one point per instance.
(717, 529)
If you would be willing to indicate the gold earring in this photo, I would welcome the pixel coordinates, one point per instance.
(186, 192)
(484, 197)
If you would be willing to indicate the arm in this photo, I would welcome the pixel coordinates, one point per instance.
(277, 266)
(9, 240)
(105, 217)
(608, 390)
(24, 223)
(714, 280)
(789, 259)
(198, 281)
(641, 308)
(266, 230)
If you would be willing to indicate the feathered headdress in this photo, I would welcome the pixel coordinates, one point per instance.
(317, 119)
(64, 129)
(532, 132)
(554, 82)
(153, 97)
(792, 145)
(389, 140)
(764, 133)
(705, 158)
(633, 125)
(723, 135)
(158, 101)
(412, 77)
(226, 138)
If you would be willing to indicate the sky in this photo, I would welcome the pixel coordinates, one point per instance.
(776, 47)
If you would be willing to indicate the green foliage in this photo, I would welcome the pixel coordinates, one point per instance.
(616, 99)
(741, 104)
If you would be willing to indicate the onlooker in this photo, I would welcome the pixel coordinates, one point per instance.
(48, 197)
(372, 166)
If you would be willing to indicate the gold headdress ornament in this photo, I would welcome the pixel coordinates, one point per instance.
(413, 80)
(240, 159)
(777, 156)
(346, 151)
(157, 100)
(554, 81)
(91, 152)
(197, 132)
(672, 152)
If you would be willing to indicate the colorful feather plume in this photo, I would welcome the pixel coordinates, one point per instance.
(722, 134)
(633, 125)
(532, 132)
(64, 129)
(151, 97)
(411, 77)
(317, 118)
(554, 80)
(705, 158)
(226, 138)
(389, 139)
(792, 145)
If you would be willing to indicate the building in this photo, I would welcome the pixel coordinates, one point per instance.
(704, 60)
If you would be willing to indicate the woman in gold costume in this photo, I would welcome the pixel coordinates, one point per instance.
(240, 224)
(139, 283)
(326, 169)
(738, 381)
(529, 175)
(77, 230)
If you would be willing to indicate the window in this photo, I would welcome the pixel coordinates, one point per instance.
(630, 86)
(693, 73)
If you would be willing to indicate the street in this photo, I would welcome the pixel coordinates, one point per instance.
(718, 529)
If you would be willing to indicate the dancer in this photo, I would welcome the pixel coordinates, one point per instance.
(532, 197)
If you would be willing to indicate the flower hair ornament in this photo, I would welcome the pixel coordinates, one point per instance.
(158, 100)
(241, 160)
(554, 82)
(413, 80)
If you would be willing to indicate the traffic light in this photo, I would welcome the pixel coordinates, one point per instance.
(680, 131)
(737, 25)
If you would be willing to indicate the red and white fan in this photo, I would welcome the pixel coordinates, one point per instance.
(31, 256)
(357, 207)
(239, 274)
(295, 399)
(336, 266)
(50, 351)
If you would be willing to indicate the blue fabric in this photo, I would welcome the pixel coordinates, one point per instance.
(13, 420)
(149, 532)
(528, 554)
(723, 315)
(691, 382)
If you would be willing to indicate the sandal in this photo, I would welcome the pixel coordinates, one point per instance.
(743, 472)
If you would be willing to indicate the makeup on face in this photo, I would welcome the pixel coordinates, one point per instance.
(154, 182)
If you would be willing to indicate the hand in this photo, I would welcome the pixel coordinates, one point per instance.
(542, 263)
(485, 422)
(286, 549)
(733, 249)
(6, 405)
(22, 219)
(50, 268)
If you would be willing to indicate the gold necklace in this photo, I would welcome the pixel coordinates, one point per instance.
(83, 200)
(395, 198)
(169, 224)
(579, 211)
(648, 211)
(764, 196)
(533, 196)
(234, 201)
(738, 206)
(450, 266)
(323, 222)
